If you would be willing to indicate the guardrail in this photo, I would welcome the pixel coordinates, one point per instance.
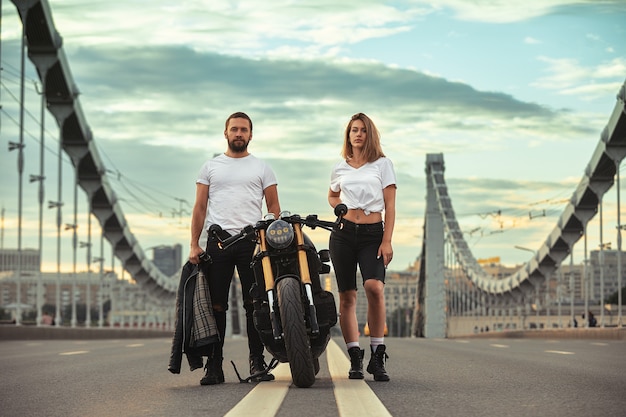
(13, 332)
(606, 333)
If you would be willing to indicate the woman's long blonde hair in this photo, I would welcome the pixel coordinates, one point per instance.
(371, 149)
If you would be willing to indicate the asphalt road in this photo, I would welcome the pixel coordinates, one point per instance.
(429, 377)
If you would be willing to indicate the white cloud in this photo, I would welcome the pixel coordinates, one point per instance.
(160, 85)
(501, 11)
(253, 27)
(531, 41)
(569, 77)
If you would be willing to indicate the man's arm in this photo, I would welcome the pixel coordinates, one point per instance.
(271, 200)
(198, 217)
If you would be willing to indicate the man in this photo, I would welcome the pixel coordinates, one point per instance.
(233, 186)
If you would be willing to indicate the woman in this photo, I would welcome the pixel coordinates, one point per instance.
(365, 182)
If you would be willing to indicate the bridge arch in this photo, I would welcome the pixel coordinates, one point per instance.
(440, 224)
(45, 50)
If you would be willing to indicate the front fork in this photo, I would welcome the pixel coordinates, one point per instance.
(305, 276)
(268, 277)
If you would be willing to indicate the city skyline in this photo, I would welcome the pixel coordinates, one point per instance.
(514, 94)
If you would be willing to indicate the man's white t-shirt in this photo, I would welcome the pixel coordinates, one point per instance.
(236, 188)
(362, 188)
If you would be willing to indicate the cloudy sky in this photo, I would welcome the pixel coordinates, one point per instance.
(514, 94)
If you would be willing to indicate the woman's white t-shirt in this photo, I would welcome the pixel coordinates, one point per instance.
(236, 187)
(362, 188)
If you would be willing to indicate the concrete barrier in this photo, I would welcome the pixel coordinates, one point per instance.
(606, 333)
(12, 332)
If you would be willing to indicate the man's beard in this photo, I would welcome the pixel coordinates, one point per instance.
(237, 148)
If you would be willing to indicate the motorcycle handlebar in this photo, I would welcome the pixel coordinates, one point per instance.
(311, 221)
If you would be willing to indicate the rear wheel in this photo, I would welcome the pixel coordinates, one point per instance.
(296, 339)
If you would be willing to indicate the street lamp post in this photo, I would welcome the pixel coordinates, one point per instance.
(122, 301)
(73, 227)
(603, 246)
(88, 245)
(58, 205)
(559, 295)
(536, 288)
(547, 298)
(40, 179)
(601, 259)
(20, 171)
(620, 227)
(99, 297)
(100, 260)
(571, 286)
(88, 286)
(586, 279)
(110, 282)
(619, 270)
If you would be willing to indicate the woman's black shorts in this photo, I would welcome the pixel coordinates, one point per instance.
(356, 244)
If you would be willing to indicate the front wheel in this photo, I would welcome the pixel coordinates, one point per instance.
(296, 339)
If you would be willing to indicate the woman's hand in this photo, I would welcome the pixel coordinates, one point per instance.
(386, 251)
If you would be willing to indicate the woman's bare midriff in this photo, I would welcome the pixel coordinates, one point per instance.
(358, 216)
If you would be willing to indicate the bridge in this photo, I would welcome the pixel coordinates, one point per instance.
(441, 228)
(45, 50)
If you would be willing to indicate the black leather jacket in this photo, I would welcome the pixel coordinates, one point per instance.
(184, 322)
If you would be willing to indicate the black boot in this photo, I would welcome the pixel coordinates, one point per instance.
(356, 363)
(376, 366)
(214, 372)
(258, 366)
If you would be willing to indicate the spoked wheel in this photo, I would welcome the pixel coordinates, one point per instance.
(296, 339)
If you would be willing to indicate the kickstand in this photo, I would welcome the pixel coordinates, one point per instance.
(273, 364)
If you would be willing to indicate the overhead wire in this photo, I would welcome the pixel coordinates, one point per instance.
(139, 199)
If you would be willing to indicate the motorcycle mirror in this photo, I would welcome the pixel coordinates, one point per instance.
(214, 229)
(340, 209)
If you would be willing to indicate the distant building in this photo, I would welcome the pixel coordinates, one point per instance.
(98, 287)
(604, 271)
(130, 305)
(168, 259)
(569, 280)
(31, 260)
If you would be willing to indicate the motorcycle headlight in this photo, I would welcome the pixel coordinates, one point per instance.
(279, 234)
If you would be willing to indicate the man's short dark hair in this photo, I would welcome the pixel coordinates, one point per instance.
(238, 115)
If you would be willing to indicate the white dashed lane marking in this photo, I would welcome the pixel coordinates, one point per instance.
(560, 352)
(76, 352)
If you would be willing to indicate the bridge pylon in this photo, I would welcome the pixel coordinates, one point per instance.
(431, 312)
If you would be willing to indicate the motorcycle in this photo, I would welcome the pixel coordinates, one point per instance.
(292, 312)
